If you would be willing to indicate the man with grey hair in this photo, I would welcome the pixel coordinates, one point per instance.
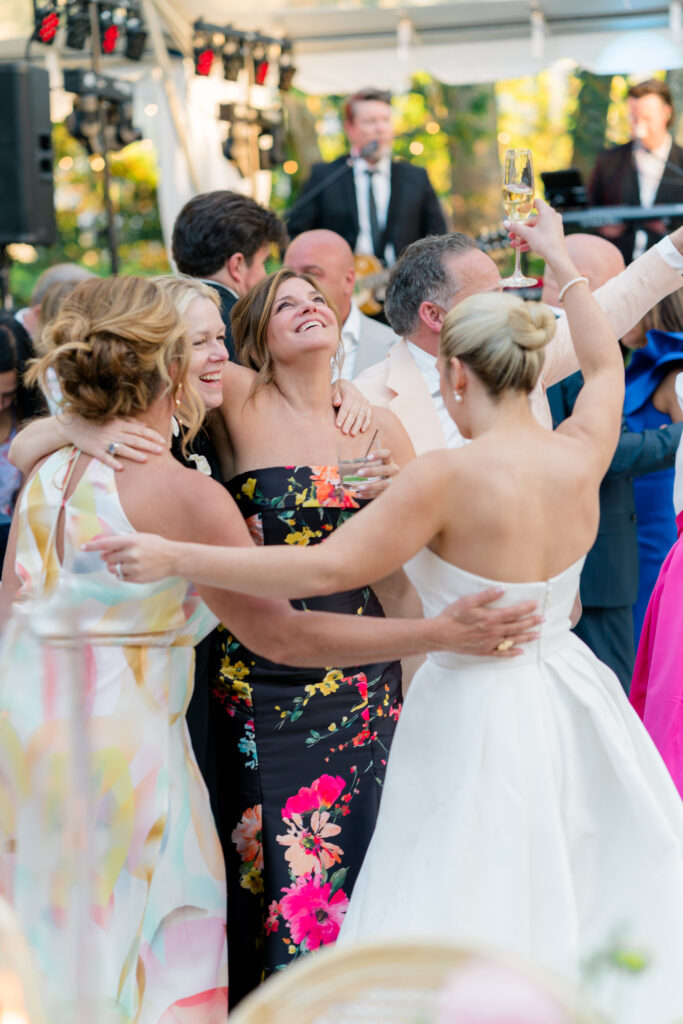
(434, 274)
(60, 273)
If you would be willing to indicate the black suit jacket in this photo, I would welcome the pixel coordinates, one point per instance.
(610, 574)
(414, 209)
(228, 300)
(614, 182)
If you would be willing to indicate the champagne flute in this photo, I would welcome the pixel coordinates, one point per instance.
(518, 201)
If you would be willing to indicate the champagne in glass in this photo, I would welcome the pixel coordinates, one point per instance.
(518, 201)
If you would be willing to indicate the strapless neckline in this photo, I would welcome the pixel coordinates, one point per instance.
(491, 582)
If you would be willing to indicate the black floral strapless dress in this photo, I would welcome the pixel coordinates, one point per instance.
(301, 752)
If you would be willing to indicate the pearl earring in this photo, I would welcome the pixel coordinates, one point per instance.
(457, 396)
(179, 396)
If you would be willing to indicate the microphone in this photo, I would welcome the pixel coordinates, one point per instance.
(368, 150)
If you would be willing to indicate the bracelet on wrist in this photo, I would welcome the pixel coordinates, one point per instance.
(569, 284)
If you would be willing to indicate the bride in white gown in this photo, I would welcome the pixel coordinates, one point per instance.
(524, 804)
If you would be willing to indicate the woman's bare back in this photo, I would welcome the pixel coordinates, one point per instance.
(525, 505)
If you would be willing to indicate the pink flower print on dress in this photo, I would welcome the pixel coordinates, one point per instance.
(322, 793)
(313, 912)
(247, 836)
(308, 849)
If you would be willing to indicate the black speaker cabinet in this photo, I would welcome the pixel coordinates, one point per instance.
(26, 175)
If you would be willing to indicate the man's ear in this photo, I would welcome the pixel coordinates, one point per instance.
(431, 315)
(349, 281)
(235, 267)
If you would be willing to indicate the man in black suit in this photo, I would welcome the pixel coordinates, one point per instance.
(225, 238)
(377, 204)
(646, 171)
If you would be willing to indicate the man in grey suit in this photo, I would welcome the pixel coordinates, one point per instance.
(328, 258)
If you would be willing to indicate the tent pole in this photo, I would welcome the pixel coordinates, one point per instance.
(151, 16)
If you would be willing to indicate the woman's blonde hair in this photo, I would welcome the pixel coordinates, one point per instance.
(113, 345)
(501, 338)
(251, 316)
(184, 290)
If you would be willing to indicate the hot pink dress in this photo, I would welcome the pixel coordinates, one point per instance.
(657, 686)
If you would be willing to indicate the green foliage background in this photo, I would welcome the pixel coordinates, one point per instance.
(458, 133)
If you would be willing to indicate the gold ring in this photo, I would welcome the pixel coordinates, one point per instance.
(505, 644)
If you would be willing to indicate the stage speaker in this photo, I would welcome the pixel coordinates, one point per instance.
(27, 193)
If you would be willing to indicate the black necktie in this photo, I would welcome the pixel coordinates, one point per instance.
(377, 246)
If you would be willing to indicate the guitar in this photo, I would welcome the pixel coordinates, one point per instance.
(371, 279)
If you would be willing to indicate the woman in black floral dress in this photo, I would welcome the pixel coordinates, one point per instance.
(301, 752)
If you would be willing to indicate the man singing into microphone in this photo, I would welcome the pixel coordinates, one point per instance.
(646, 171)
(377, 204)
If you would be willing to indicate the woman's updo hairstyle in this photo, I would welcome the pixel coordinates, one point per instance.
(501, 338)
(112, 346)
(250, 318)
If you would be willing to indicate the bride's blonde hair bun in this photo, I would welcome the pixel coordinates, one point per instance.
(532, 324)
(501, 338)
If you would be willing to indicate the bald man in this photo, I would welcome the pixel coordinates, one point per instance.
(609, 581)
(328, 258)
(595, 257)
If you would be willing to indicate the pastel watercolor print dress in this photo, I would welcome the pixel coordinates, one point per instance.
(152, 927)
(301, 752)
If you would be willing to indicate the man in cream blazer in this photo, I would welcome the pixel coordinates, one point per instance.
(434, 274)
(328, 258)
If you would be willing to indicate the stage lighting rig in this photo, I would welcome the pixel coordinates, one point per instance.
(109, 29)
(233, 59)
(286, 69)
(261, 64)
(45, 23)
(102, 117)
(204, 54)
(77, 25)
(136, 36)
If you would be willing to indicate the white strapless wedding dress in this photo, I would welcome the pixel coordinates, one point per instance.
(526, 807)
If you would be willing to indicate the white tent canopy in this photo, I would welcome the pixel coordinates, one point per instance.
(343, 46)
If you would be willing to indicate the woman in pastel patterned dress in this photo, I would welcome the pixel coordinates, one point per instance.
(525, 806)
(157, 922)
(158, 884)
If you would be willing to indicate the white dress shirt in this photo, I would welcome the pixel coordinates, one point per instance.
(650, 165)
(426, 364)
(381, 187)
(350, 336)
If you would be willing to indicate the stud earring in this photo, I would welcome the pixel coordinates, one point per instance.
(457, 396)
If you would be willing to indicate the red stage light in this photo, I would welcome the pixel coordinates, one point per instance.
(260, 71)
(203, 60)
(48, 27)
(109, 38)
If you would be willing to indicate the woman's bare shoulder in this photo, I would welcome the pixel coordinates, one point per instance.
(163, 496)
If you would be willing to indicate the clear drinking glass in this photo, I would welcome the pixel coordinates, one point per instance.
(518, 202)
(349, 465)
